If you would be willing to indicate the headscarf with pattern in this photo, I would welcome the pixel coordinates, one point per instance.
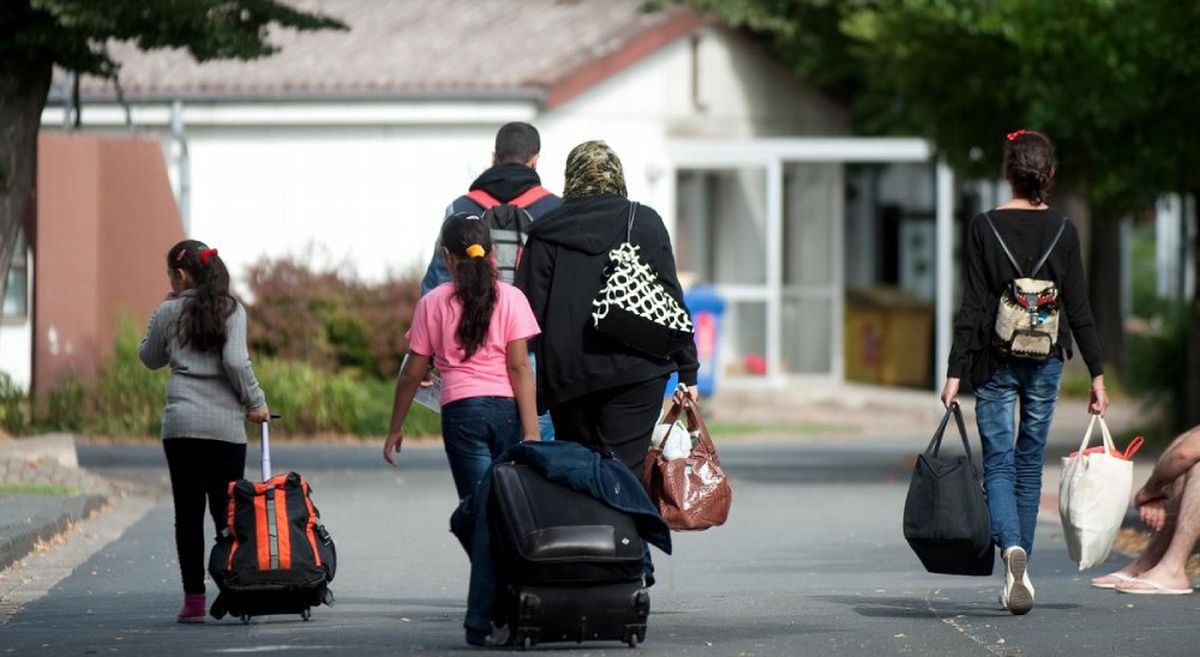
(593, 168)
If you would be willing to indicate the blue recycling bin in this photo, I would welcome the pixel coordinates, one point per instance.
(708, 308)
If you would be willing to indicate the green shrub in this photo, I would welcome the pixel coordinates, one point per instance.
(14, 407)
(346, 403)
(66, 404)
(1158, 365)
(327, 318)
(126, 398)
(1077, 383)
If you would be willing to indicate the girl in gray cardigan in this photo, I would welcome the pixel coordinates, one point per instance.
(200, 332)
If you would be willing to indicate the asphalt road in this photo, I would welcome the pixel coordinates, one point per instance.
(812, 562)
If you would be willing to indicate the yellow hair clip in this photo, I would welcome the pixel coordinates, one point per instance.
(475, 251)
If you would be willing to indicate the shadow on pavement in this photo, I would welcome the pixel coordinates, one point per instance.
(914, 607)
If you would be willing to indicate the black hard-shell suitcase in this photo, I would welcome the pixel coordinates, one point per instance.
(275, 557)
(574, 565)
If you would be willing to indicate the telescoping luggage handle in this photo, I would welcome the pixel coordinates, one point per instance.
(265, 434)
(935, 445)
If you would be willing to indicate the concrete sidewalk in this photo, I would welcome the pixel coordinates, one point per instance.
(42, 493)
(850, 412)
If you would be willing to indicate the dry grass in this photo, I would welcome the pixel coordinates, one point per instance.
(1131, 543)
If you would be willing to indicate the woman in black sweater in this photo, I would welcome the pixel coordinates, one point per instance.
(1012, 464)
(599, 391)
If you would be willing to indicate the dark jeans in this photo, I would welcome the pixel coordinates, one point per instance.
(1013, 459)
(620, 419)
(475, 431)
(200, 468)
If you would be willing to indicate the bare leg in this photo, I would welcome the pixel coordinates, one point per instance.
(1170, 570)
(1159, 542)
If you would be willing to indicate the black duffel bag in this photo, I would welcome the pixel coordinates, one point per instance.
(945, 514)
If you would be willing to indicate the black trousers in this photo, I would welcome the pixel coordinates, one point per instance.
(619, 419)
(200, 469)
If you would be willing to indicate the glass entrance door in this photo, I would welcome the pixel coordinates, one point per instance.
(768, 239)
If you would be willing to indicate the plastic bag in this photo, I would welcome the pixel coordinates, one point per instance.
(674, 440)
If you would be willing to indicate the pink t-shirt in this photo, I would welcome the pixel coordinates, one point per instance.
(435, 321)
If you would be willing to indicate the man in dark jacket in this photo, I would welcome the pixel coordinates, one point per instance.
(512, 174)
(512, 178)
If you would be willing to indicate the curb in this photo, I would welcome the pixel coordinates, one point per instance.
(16, 547)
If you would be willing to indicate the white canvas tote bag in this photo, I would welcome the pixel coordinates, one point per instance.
(1093, 496)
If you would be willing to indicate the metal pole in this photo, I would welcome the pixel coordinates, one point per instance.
(265, 433)
(68, 99)
(943, 329)
(774, 264)
(183, 161)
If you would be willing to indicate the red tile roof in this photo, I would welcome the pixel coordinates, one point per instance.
(546, 49)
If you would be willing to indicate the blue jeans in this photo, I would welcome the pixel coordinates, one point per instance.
(1012, 469)
(475, 431)
(545, 426)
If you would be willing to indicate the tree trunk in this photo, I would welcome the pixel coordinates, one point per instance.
(1104, 286)
(23, 88)
(1192, 402)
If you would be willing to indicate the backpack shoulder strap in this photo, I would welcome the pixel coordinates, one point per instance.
(530, 196)
(483, 199)
(1003, 245)
(1053, 243)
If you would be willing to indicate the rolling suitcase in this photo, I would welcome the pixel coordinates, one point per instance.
(574, 565)
(275, 556)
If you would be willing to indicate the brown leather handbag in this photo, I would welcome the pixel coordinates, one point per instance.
(691, 493)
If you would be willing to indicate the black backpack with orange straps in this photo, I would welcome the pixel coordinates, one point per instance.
(274, 556)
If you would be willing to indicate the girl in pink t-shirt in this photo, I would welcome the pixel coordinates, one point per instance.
(475, 331)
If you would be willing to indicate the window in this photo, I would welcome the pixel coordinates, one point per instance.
(16, 297)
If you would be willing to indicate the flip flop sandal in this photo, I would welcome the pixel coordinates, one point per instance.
(1121, 579)
(1155, 588)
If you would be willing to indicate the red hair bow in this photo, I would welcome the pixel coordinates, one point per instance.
(1012, 136)
(207, 255)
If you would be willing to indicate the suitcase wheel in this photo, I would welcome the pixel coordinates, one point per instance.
(327, 598)
(633, 636)
(245, 619)
(306, 614)
(218, 608)
(525, 639)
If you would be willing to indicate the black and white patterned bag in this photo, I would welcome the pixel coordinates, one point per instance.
(634, 308)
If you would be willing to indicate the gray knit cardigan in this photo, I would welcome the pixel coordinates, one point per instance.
(208, 393)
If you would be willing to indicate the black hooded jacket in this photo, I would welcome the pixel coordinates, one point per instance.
(506, 181)
(562, 271)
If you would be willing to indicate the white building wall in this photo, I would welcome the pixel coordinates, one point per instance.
(742, 93)
(366, 184)
(368, 198)
(16, 340)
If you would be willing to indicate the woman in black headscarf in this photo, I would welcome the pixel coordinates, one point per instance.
(598, 390)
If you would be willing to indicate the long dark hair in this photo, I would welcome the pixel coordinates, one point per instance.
(202, 322)
(469, 240)
(1029, 164)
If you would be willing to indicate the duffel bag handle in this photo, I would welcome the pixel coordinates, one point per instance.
(935, 444)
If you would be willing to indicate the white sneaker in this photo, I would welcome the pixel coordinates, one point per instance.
(1018, 590)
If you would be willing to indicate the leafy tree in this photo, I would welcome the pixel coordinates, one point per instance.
(1116, 83)
(36, 35)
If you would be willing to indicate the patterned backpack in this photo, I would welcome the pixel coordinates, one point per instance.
(634, 308)
(1028, 317)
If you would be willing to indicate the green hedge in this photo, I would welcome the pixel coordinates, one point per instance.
(127, 400)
